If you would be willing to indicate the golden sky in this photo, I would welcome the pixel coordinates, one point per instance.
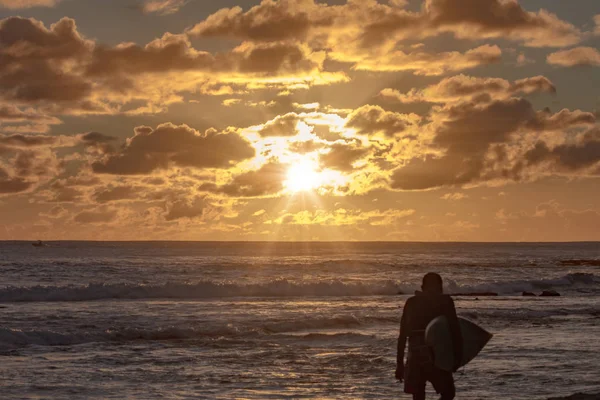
(434, 120)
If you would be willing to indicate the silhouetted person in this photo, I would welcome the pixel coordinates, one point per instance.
(419, 311)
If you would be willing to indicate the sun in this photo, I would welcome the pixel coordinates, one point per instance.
(302, 176)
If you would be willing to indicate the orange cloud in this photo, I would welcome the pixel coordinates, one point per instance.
(342, 217)
(163, 7)
(468, 88)
(423, 63)
(370, 120)
(18, 4)
(578, 56)
(370, 23)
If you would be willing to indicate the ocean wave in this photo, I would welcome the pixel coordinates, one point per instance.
(574, 280)
(200, 290)
(293, 329)
(275, 288)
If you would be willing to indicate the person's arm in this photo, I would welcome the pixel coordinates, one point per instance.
(402, 344)
(455, 332)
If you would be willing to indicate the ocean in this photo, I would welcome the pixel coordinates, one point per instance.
(198, 320)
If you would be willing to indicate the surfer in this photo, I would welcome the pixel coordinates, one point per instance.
(419, 311)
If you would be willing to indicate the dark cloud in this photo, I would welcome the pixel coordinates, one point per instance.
(476, 143)
(369, 120)
(11, 185)
(61, 72)
(96, 138)
(175, 146)
(372, 24)
(467, 88)
(35, 61)
(572, 157)
(497, 18)
(170, 53)
(24, 141)
(342, 157)
(268, 180)
(270, 21)
(193, 208)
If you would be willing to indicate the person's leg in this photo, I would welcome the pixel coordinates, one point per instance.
(449, 394)
(443, 383)
(419, 396)
(414, 378)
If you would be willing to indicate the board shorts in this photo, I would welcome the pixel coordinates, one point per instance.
(420, 369)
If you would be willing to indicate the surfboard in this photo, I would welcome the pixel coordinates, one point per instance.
(439, 338)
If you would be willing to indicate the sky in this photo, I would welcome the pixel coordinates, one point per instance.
(300, 120)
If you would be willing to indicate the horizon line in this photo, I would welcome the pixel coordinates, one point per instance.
(297, 241)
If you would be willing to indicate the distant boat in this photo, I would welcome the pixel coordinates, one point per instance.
(39, 243)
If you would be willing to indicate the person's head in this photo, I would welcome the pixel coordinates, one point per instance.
(432, 283)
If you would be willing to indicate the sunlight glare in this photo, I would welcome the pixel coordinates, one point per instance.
(302, 176)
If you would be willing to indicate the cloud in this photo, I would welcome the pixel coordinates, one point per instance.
(55, 212)
(265, 181)
(574, 57)
(468, 19)
(18, 4)
(97, 216)
(370, 35)
(28, 161)
(75, 75)
(367, 23)
(117, 193)
(476, 143)
(175, 146)
(342, 217)
(282, 125)
(468, 88)
(342, 157)
(423, 63)
(163, 7)
(454, 196)
(23, 169)
(193, 208)
(580, 156)
(597, 21)
(370, 120)
(28, 48)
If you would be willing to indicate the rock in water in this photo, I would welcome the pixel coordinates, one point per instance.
(550, 293)
(528, 294)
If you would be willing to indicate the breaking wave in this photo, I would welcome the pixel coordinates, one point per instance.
(578, 281)
(275, 288)
(293, 329)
